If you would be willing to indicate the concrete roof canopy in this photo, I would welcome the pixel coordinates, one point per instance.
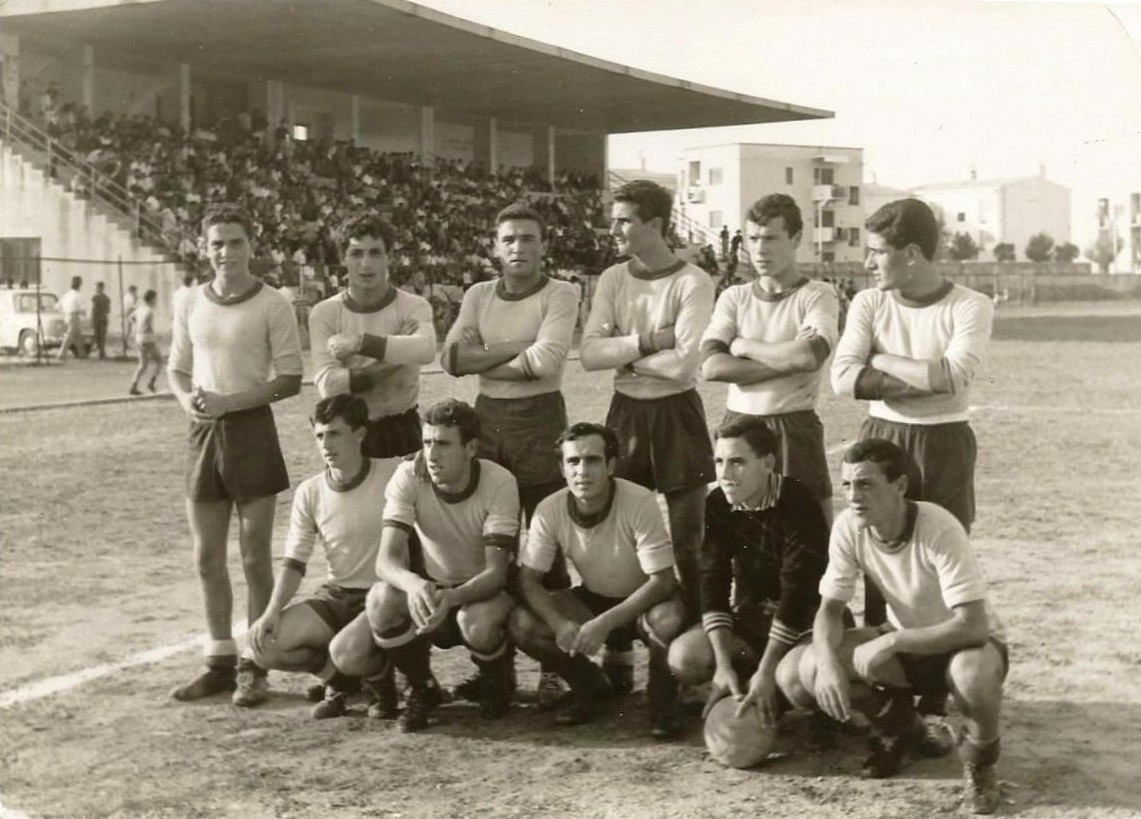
(392, 50)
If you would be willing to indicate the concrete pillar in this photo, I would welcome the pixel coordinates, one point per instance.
(427, 133)
(10, 61)
(184, 96)
(87, 79)
(492, 146)
(354, 118)
(551, 137)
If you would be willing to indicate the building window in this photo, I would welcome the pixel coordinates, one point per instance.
(854, 195)
(961, 217)
(827, 257)
(716, 219)
(853, 237)
(695, 172)
(300, 133)
(715, 176)
(788, 176)
(823, 176)
(825, 218)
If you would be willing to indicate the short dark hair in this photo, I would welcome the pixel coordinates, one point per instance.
(521, 211)
(352, 408)
(774, 205)
(649, 199)
(452, 412)
(227, 213)
(365, 224)
(188, 280)
(907, 222)
(889, 457)
(755, 432)
(76, 282)
(149, 297)
(585, 429)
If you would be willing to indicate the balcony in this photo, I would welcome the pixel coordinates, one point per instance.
(829, 193)
(694, 195)
(827, 234)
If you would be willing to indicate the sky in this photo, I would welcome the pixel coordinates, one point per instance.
(929, 88)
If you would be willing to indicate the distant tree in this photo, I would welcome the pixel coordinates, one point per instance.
(963, 247)
(1039, 248)
(1066, 252)
(1004, 252)
(1103, 251)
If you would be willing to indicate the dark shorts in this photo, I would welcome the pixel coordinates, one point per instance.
(337, 605)
(519, 434)
(927, 673)
(800, 437)
(236, 458)
(942, 468)
(393, 436)
(621, 638)
(663, 442)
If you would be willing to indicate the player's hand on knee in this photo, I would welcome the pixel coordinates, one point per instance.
(590, 638)
(868, 657)
(832, 694)
(442, 605)
(422, 603)
(565, 635)
(264, 631)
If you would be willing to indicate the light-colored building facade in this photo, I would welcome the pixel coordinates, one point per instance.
(1002, 210)
(717, 184)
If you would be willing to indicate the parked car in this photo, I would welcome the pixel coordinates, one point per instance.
(18, 322)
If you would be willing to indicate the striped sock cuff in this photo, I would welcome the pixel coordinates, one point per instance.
(219, 648)
(494, 654)
(401, 639)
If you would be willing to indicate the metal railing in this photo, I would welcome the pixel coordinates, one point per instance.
(84, 179)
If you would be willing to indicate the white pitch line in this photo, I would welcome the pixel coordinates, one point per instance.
(66, 682)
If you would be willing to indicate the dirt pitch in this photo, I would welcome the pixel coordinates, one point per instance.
(95, 571)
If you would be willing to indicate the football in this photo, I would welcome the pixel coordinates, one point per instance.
(739, 742)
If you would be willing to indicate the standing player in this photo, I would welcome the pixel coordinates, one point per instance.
(941, 633)
(770, 338)
(612, 531)
(648, 316)
(234, 351)
(515, 332)
(912, 346)
(372, 339)
(145, 344)
(448, 589)
(343, 507)
(767, 540)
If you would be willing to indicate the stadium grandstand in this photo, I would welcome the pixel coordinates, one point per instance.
(121, 121)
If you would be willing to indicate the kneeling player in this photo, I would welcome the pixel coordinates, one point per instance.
(766, 537)
(344, 507)
(941, 633)
(449, 590)
(613, 534)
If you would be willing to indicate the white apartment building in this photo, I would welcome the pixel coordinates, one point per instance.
(1002, 210)
(717, 185)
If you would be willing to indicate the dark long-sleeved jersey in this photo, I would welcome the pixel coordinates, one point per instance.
(775, 554)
